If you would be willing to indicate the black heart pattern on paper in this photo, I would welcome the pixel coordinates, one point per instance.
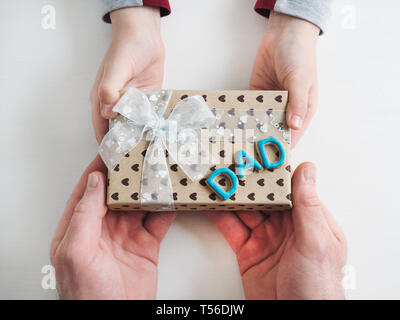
(174, 167)
(144, 153)
(184, 96)
(241, 98)
(252, 196)
(242, 183)
(213, 196)
(183, 182)
(279, 182)
(154, 196)
(115, 196)
(135, 196)
(203, 182)
(288, 168)
(127, 155)
(204, 97)
(222, 153)
(260, 98)
(116, 167)
(278, 98)
(193, 196)
(233, 198)
(175, 196)
(260, 182)
(125, 181)
(135, 167)
(222, 125)
(222, 182)
(222, 98)
(289, 197)
(271, 196)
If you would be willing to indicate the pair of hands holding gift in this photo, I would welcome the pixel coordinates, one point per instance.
(102, 254)
(99, 253)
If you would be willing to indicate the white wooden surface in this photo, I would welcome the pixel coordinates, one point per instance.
(46, 137)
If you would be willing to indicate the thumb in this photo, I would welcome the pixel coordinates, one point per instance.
(298, 102)
(86, 221)
(115, 76)
(309, 222)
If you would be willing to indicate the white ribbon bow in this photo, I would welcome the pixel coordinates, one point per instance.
(178, 134)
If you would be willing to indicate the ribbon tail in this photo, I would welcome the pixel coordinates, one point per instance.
(118, 141)
(156, 186)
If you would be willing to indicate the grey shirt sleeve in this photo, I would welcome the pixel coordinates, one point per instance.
(111, 5)
(317, 12)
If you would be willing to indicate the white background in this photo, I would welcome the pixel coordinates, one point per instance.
(47, 139)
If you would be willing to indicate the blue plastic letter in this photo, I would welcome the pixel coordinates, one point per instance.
(251, 162)
(261, 149)
(218, 190)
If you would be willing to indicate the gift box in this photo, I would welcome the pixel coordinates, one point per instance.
(239, 124)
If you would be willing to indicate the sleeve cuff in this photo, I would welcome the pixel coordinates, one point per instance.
(264, 7)
(111, 5)
(165, 8)
(315, 11)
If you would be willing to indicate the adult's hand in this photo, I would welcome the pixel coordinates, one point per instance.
(286, 60)
(298, 254)
(101, 254)
(135, 58)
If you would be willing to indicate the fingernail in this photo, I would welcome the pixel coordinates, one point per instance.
(106, 110)
(93, 180)
(297, 122)
(310, 174)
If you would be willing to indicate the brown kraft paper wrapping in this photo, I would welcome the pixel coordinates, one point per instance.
(269, 189)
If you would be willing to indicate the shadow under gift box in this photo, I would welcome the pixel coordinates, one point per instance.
(269, 189)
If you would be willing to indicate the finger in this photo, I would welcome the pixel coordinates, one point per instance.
(231, 227)
(312, 107)
(158, 223)
(310, 225)
(100, 124)
(96, 165)
(115, 76)
(251, 218)
(298, 102)
(85, 227)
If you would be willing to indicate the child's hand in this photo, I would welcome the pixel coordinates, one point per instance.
(297, 254)
(135, 58)
(286, 61)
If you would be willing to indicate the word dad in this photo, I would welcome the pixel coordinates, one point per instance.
(244, 162)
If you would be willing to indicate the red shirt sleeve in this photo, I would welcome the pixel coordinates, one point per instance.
(263, 7)
(165, 9)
